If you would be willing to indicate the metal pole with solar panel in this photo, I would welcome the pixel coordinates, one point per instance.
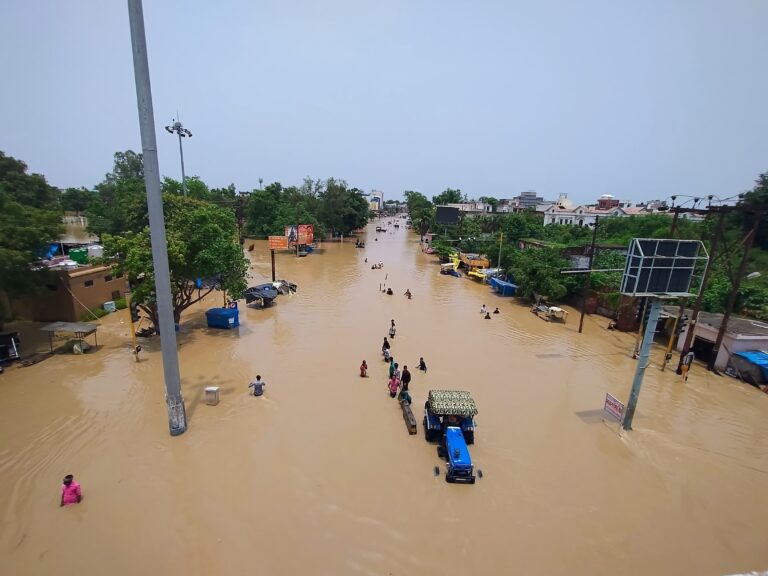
(658, 270)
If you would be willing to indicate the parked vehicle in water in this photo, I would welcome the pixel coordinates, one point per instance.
(449, 269)
(10, 347)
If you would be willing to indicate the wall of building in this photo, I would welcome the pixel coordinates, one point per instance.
(72, 294)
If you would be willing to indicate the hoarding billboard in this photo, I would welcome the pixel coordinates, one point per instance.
(303, 234)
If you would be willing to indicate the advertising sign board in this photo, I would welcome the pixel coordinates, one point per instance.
(303, 234)
(278, 242)
(614, 407)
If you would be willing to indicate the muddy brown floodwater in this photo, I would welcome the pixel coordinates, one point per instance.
(320, 476)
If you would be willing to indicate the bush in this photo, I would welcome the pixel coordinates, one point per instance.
(121, 304)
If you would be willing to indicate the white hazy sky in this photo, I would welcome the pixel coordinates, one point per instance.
(639, 99)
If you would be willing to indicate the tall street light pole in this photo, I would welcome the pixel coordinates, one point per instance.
(177, 418)
(178, 128)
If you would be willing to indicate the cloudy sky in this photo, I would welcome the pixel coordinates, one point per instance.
(640, 99)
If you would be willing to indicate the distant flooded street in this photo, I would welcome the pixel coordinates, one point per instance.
(320, 476)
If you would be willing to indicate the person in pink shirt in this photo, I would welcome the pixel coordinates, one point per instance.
(70, 491)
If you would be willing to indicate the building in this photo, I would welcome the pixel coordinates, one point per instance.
(72, 293)
(529, 199)
(742, 334)
(471, 207)
(606, 202)
(375, 200)
(580, 216)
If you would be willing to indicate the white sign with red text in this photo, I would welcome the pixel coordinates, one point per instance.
(614, 407)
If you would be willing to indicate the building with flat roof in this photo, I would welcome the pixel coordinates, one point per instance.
(71, 294)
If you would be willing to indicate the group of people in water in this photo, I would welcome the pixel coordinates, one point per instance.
(486, 314)
(399, 380)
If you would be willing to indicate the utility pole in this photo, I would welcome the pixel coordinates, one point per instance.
(589, 275)
(734, 292)
(680, 312)
(501, 238)
(179, 129)
(642, 363)
(177, 418)
(704, 282)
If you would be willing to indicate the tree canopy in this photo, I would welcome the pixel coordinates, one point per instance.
(202, 246)
(30, 219)
(449, 196)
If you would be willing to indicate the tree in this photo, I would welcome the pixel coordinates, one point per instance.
(76, 200)
(120, 204)
(421, 211)
(30, 219)
(261, 210)
(449, 196)
(493, 202)
(537, 271)
(128, 165)
(202, 246)
(196, 188)
(340, 210)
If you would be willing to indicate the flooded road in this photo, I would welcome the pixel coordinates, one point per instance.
(320, 476)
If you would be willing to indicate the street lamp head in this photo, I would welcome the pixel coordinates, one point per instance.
(169, 129)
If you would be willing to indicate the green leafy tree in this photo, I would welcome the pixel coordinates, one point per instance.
(340, 210)
(128, 165)
(449, 196)
(30, 218)
(120, 204)
(520, 225)
(261, 208)
(76, 200)
(421, 211)
(608, 260)
(196, 188)
(201, 245)
(537, 271)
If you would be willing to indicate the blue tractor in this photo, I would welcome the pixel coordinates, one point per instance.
(458, 461)
(449, 420)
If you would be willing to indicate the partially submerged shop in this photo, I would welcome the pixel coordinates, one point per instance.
(741, 335)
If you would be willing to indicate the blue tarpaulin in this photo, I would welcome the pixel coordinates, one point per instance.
(758, 358)
(502, 287)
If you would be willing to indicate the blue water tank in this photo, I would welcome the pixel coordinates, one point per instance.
(222, 318)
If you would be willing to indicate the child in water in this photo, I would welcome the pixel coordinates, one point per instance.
(364, 369)
(422, 365)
